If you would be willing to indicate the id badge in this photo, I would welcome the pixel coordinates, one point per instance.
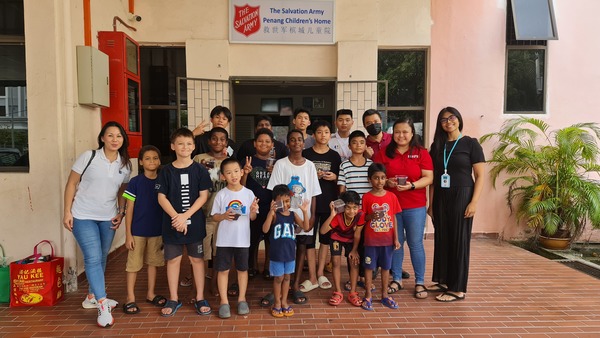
(445, 181)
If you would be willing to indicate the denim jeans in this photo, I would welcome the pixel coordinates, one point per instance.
(410, 227)
(94, 239)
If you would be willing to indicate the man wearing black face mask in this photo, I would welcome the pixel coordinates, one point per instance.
(377, 139)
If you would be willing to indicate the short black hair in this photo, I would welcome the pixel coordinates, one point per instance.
(263, 131)
(181, 132)
(294, 131)
(215, 130)
(227, 161)
(143, 151)
(370, 112)
(262, 118)
(280, 190)
(221, 109)
(301, 110)
(320, 123)
(375, 168)
(350, 196)
(355, 134)
(343, 112)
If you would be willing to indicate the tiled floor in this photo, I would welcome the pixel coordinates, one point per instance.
(512, 293)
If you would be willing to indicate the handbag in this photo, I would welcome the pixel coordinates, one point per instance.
(37, 279)
(4, 278)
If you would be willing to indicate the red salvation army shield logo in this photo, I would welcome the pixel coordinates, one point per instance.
(247, 19)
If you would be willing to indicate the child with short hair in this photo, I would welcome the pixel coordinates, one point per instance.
(182, 191)
(143, 228)
(280, 224)
(233, 207)
(381, 238)
(339, 140)
(217, 143)
(301, 121)
(353, 172)
(346, 228)
(300, 175)
(327, 162)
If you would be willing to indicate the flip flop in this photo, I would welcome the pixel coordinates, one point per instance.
(389, 302)
(454, 296)
(367, 304)
(200, 304)
(348, 286)
(362, 285)
(336, 298)
(173, 305)
(224, 311)
(233, 290)
(288, 311)
(243, 308)
(394, 287)
(131, 308)
(267, 300)
(308, 286)
(159, 301)
(277, 312)
(354, 299)
(437, 287)
(324, 283)
(297, 296)
(422, 293)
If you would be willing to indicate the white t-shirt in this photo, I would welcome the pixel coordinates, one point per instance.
(301, 179)
(340, 144)
(96, 194)
(233, 234)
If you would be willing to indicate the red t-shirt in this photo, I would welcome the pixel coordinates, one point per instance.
(410, 164)
(342, 232)
(380, 232)
(377, 147)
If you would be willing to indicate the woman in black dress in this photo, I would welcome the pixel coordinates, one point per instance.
(459, 167)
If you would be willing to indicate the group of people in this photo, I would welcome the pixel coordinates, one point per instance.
(363, 196)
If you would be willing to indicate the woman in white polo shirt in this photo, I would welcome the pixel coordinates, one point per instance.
(94, 208)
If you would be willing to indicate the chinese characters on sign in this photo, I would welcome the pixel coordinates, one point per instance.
(272, 21)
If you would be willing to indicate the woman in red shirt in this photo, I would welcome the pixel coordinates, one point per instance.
(409, 171)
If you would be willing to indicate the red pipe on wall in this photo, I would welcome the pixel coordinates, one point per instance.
(87, 23)
(131, 6)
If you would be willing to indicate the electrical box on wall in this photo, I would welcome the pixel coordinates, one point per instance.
(125, 92)
(92, 77)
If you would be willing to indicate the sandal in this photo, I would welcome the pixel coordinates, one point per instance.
(233, 290)
(186, 281)
(348, 286)
(354, 299)
(252, 273)
(159, 301)
(394, 287)
(367, 304)
(336, 298)
(308, 286)
(173, 305)
(200, 304)
(131, 308)
(324, 283)
(299, 297)
(362, 285)
(268, 300)
(437, 287)
(288, 311)
(420, 291)
(267, 274)
(243, 308)
(276, 312)
(389, 302)
(453, 297)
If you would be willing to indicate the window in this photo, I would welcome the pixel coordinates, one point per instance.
(529, 24)
(13, 89)
(405, 72)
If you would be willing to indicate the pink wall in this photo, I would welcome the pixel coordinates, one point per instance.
(468, 68)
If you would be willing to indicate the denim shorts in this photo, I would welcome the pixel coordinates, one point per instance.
(278, 269)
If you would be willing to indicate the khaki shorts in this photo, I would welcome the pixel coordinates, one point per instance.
(210, 241)
(147, 250)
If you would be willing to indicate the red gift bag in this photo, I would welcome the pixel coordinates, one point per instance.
(37, 279)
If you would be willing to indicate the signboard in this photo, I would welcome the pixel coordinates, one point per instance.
(281, 21)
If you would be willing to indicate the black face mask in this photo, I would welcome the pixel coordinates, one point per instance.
(374, 129)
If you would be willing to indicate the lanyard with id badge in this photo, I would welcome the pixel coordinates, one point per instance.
(445, 177)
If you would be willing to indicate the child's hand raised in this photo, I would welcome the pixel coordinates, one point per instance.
(304, 205)
(332, 208)
(248, 165)
(254, 205)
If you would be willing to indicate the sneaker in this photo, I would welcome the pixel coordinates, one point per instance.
(93, 303)
(105, 318)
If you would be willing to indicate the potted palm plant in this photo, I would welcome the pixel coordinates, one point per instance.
(552, 176)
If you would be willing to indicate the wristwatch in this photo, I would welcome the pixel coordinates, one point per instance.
(412, 186)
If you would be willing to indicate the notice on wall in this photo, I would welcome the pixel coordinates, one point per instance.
(281, 21)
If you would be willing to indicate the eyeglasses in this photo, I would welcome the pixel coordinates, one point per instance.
(450, 118)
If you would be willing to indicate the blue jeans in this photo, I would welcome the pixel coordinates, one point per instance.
(410, 222)
(94, 239)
